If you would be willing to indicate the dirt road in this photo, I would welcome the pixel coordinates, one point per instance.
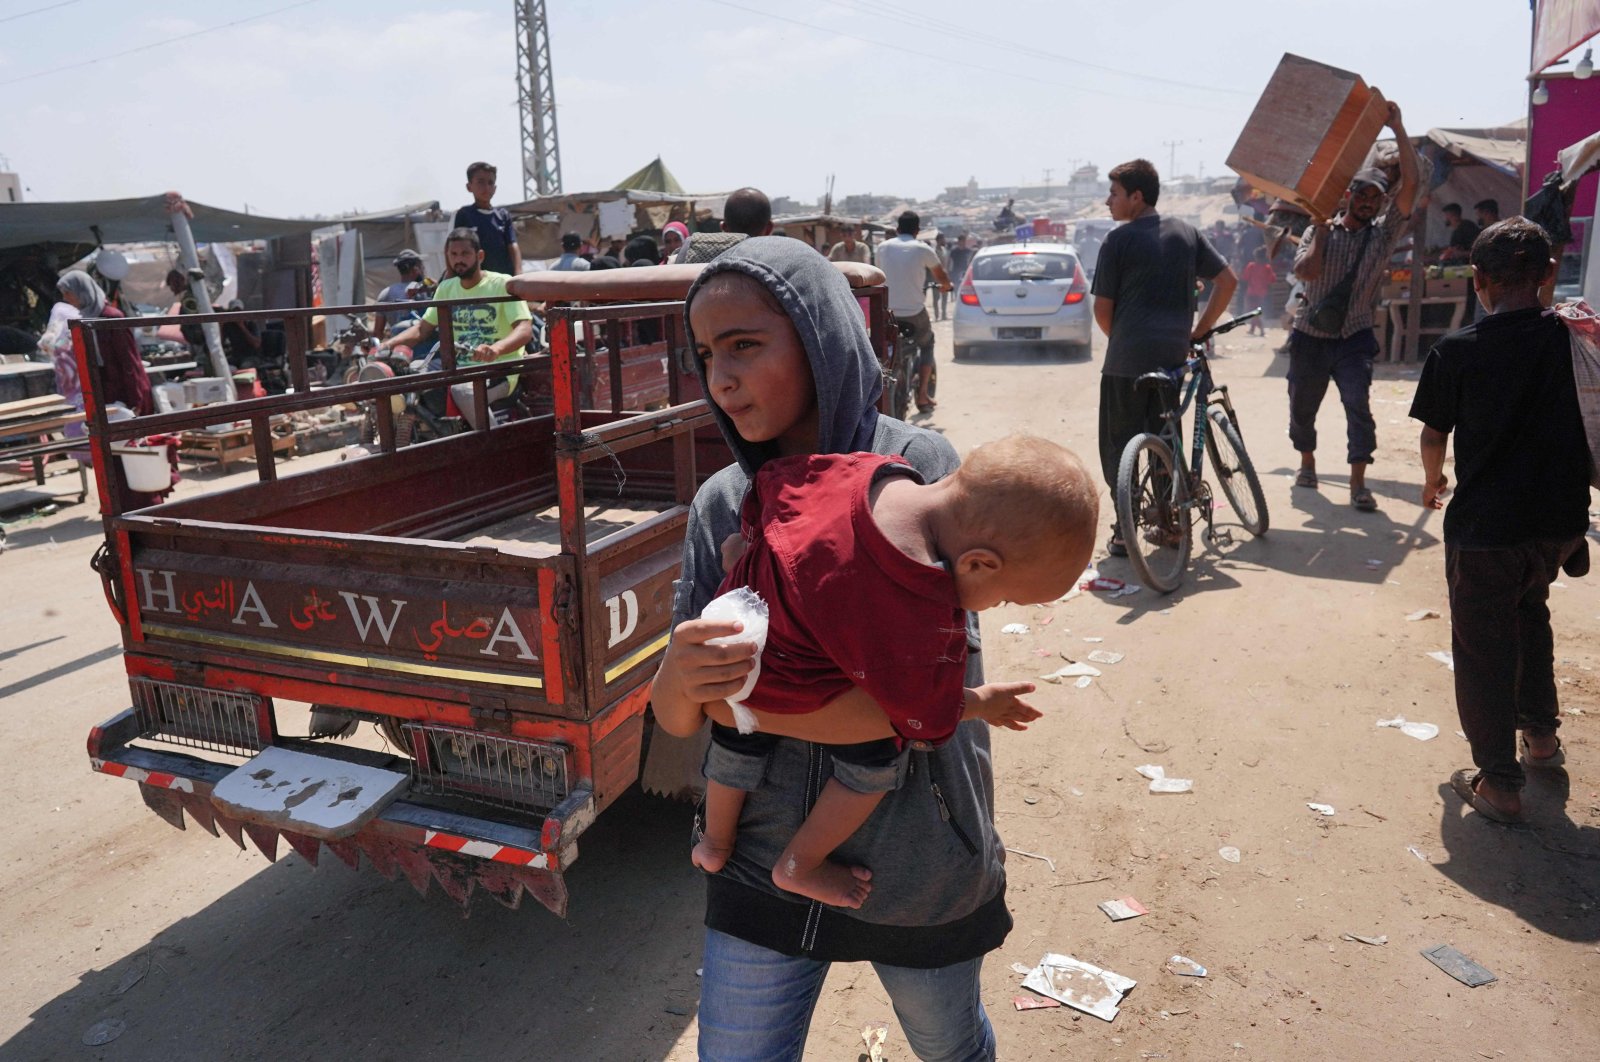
(1262, 680)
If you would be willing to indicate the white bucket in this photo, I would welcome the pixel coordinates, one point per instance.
(145, 467)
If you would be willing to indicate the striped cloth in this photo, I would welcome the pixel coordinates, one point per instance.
(1343, 244)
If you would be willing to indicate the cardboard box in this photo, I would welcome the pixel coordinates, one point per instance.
(1309, 134)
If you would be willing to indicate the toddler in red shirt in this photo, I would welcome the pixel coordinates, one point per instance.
(868, 575)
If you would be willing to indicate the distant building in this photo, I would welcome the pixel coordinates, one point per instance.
(867, 204)
(10, 188)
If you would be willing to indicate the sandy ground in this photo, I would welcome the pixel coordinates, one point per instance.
(1261, 680)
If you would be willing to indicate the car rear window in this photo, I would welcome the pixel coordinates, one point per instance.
(1017, 266)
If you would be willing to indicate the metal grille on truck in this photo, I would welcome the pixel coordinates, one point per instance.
(196, 717)
(505, 772)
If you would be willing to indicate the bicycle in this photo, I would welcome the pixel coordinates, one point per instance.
(1158, 491)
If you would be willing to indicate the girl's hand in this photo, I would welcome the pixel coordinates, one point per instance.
(696, 673)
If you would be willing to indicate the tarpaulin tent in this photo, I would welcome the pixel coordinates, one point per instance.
(653, 177)
(1470, 165)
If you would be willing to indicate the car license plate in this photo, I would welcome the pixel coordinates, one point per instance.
(1017, 333)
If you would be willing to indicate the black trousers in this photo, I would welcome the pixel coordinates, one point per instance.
(1125, 411)
(1504, 649)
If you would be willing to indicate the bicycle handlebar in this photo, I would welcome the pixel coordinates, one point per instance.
(1228, 327)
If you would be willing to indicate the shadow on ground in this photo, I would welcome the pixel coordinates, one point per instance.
(333, 963)
(1546, 872)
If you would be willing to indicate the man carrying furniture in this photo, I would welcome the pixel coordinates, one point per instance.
(1343, 263)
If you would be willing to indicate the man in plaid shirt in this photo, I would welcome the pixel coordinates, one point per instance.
(1352, 250)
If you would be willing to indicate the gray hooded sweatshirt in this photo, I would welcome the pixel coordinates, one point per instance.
(938, 879)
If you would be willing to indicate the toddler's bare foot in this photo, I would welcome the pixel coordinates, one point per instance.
(710, 856)
(831, 883)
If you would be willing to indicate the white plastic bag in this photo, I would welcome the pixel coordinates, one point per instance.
(745, 606)
(1583, 326)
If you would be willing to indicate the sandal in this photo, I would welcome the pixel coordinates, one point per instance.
(1465, 788)
(1307, 477)
(1558, 758)
(1115, 546)
(1362, 501)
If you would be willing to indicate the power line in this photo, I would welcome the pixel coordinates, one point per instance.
(973, 66)
(38, 10)
(908, 16)
(154, 44)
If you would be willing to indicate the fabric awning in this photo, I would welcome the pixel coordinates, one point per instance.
(144, 220)
(1560, 26)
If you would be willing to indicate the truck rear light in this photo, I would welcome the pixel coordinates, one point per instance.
(506, 772)
(196, 717)
(969, 294)
(1079, 288)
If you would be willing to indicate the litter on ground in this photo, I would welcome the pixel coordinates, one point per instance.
(1079, 985)
(1084, 683)
(1122, 907)
(1376, 942)
(1072, 671)
(1445, 657)
(1160, 783)
(1321, 809)
(1420, 731)
(1103, 656)
(1422, 614)
(1014, 628)
(1185, 967)
(1034, 1002)
(1457, 965)
(1230, 853)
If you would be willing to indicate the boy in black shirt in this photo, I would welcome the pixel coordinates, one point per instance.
(1505, 387)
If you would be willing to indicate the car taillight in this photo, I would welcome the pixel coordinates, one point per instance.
(969, 294)
(1079, 287)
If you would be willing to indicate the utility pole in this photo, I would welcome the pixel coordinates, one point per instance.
(1048, 171)
(1172, 147)
(536, 102)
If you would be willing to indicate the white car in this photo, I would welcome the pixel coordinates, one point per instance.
(1023, 294)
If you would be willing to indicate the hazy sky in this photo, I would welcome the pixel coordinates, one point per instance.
(333, 105)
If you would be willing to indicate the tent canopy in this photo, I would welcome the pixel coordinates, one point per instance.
(145, 220)
(1559, 26)
(654, 177)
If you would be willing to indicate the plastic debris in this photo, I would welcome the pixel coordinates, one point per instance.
(1094, 641)
(1079, 985)
(1373, 562)
(1022, 968)
(1121, 908)
(1419, 853)
(103, 1032)
(1072, 671)
(1321, 809)
(1103, 656)
(1376, 942)
(1051, 863)
(1185, 967)
(1445, 657)
(873, 1034)
(1015, 628)
(1084, 683)
(1420, 731)
(745, 606)
(1102, 585)
(1034, 1002)
(1127, 591)
(1160, 783)
(1230, 853)
(1458, 965)
(1422, 614)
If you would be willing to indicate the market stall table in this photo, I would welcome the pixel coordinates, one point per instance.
(24, 423)
(26, 379)
(233, 443)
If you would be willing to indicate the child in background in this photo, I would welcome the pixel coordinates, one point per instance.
(1259, 277)
(868, 574)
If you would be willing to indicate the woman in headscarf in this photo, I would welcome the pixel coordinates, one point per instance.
(122, 374)
(674, 234)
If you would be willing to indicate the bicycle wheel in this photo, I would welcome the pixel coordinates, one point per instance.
(1150, 512)
(1236, 475)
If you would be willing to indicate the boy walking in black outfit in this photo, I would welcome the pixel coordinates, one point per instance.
(1505, 388)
